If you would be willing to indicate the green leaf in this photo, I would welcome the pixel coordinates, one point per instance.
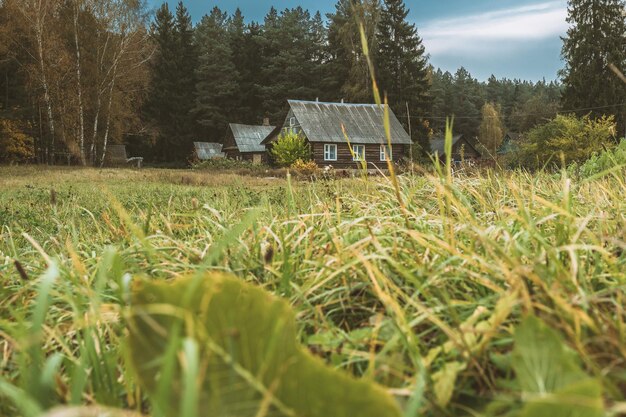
(548, 373)
(248, 358)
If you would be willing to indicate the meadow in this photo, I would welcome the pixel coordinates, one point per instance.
(478, 294)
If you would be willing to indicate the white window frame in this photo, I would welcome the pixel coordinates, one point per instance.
(292, 121)
(383, 153)
(358, 153)
(327, 151)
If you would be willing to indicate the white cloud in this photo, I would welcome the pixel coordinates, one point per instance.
(495, 32)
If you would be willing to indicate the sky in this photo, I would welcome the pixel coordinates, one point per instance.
(506, 38)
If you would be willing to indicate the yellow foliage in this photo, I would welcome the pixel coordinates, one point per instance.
(304, 166)
(15, 145)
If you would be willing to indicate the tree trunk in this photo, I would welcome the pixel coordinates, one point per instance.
(81, 119)
(44, 82)
(108, 124)
(96, 119)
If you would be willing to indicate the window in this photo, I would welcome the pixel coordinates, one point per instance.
(385, 153)
(358, 153)
(292, 121)
(330, 152)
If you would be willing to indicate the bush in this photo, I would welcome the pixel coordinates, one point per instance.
(576, 139)
(289, 148)
(605, 160)
(15, 145)
(305, 169)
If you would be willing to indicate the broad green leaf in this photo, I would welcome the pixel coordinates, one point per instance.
(579, 399)
(548, 373)
(249, 361)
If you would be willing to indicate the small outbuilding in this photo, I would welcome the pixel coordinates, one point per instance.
(329, 126)
(462, 149)
(510, 143)
(243, 142)
(206, 151)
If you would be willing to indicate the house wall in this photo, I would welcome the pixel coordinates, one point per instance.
(464, 150)
(246, 156)
(344, 157)
(230, 147)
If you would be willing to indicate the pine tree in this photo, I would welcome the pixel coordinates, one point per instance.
(317, 53)
(186, 63)
(289, 65)
(250, 76)
(596, 38)
(466, 102)
(338, 50)
(216, 88)
(403, 65)
(349, 73)
(160, 106)
(236, 28)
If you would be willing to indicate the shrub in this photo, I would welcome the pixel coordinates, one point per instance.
(15, 145)
(605, 160)
(289, 148)
(576, 139)
(304, 169)
(301, 165)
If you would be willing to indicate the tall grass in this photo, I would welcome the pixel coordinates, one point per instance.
(413, 296)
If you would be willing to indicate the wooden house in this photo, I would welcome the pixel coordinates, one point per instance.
(462, 149)
(510, 143)
(243, 142)
(328, 127)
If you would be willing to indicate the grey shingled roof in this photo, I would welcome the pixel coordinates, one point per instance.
(321, 122)
(206, 151)
(438, 145)
(249, 138)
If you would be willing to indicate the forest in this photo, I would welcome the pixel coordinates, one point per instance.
(78, 75)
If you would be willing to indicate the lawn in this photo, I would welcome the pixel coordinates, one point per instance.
(424, 287)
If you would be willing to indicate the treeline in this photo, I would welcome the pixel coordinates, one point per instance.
(73, 77)
(520, 105)
(228, 70)
(81, 74)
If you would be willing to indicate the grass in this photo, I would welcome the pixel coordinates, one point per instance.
(421, 296)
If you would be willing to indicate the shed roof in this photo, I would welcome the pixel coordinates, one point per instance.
(438, 145)
(248, 138)
(321, 122)
(206, 150)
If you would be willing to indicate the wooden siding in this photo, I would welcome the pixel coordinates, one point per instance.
(344, 157)
(230, 146)
(245, 156)
(464, 150)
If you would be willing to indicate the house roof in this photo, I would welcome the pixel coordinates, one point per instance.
(322, 122)
(248, 138)
(509, 143)
(205, 150)
(513, 135)
(438, 144)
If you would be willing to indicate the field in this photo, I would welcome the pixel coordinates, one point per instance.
(486, 294)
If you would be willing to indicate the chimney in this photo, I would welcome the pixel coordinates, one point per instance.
(341, 101)
(266, 121)
(317, 99)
